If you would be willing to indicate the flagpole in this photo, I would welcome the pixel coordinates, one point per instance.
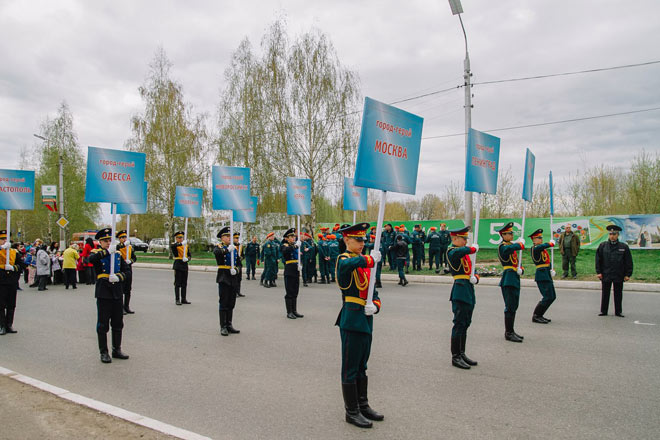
(128, 237)
(354, 217)
(185, 237)
(113, 210)
(231, 241)
(298, 239)
(522, 233)
(8, 233)
(240, 240)
(379, 230)
(473, 278)
(552, 232)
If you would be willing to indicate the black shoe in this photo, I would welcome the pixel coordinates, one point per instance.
(266, 285)
(437, 271)
(405, 282)
(105, 358)
(75, 287)
(124, 312)
(458, 362)
(322, 281)
(305, 284)
(539, 319)
(3, 331)
(261, 282)
(512, 337)
(185, 301)
(519, 336)
(353, 414)
(563, 277)
(10, 330)
(239, 294)
(602, 314)
(575, 277)
(117, 354)
(297, 315)
(400, 282)
(378, 285)
(363, 401)
(290, 315)
(231, 329)
(466, 359)
(620, 315)
(224, 331)
(178, 303)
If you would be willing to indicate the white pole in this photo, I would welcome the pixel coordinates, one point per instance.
(113, 244)
(8, 232)
(379, 230)
(185, 238)
(552, 251)
(240, 241)
(354, 217)
(231, 241)
(522, 234)
(298, 239)
(473, 278)
(128, 236)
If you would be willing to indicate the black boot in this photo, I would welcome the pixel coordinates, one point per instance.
(10, 321)
(272, 283)
(294, 308)
(289, 308)
(177, 297)
(405, 282)
(116, 345)
(315, 279)
(305, 282)
(183, 295)
(363, 401)
(223, 323)
(513, 321)
(3, 322)
(378, 285)
(322, 279)
(230, 328)
(467, 360)
(103, 348)
(353, 414)
(537, 317)
(456, 358)
(509, 335)
(261, 281)
(266, 284)
(127, 302)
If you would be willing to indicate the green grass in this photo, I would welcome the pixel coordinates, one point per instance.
(646, 264)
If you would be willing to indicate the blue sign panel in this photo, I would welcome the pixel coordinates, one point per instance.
(114, 176)
(16, 189)
(247, 215)
(188, 201)
(528, 183)
(388, 152)
(134, 208)
(483, 157)
(298, 196)
(355, 197)
(231, 187)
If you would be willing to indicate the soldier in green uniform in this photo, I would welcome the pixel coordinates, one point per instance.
(543, 277)
(308, 259)
(324, 259)
(418, 238)
(333, 253)
(251, 256)
(355, 323)
(227, 279)
(462, 295)
(434, 240)
(387, 238)
(180, 267)
(510, 282)
(129, 258)
(269, 255)
(11, 266)
(445, 240)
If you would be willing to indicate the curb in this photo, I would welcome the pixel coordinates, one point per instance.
(105, 408)
(431, 279)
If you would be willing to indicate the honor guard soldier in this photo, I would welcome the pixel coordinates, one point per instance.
(251, 256)
(109, 293)
(269, 254)
(180, 267)
(510, 282)
(239, 262)
(227, 279)
(543, 277)
(462, 294)
(11, 266)
(290, 249)
(614, 265)
(129, 258)
(355, 323)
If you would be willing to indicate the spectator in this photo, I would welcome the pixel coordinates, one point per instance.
(70, 259)
(569, 246)
(32, 267)
(56, 268)
(90, 276)
(614, 265)
(43, 267)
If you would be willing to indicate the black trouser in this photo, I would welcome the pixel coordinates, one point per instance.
(392, 255)
(226, 297)
(250, 265)
(7, 304)
(434, 257)
(605, 297)
(567, 259)
(69, 277)
(443, 256)
(110, 313)
(291, 286)
(43, 279)
(511, 297)
(355, 350)
(90, 274)
(462, 318)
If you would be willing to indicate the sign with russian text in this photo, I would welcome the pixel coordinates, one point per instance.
(188, 201)
(247, 215)
(135, 208)
(114, 176)
(483, 157)
(355, 197)
(298, 196)
(389, 148)
(528, 183)
(16, 189)
(231, 187)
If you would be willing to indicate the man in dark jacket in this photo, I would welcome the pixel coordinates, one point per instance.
(401, 251)
(251, 255)
(614, 265)
(569, 246)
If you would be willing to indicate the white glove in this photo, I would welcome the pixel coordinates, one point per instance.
(476, 246)
(376, 256)
(233, 271)
(370, 309)
(128, 262)
(9, 267)
(231, 248)
(184, 243)
(552, 273)
(112, 249)
(184, 259)
(7, 245)
(298, 243)
(519, 271)
(113, 278)
(552, 242)
(521, 241)
(299, 267)
(473, 280)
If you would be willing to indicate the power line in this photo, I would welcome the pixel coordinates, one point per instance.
(548, 123)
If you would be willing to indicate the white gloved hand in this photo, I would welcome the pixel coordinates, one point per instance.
(231, 248)
(298, 243)
(184, 259)
(370, 309)
(521, 241)
(129, 262)
(519, 271)
(473, 280)
(113, 278)
(9, 267)
(233, 271)
(476, 246)
(112, 249)
(375, 254)
(184, 243)
(552, 242)
(552, 273)
(7, 245)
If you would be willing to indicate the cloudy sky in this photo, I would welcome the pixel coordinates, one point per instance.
(95, 55)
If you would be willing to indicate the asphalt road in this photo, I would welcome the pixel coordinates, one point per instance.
(582, 376)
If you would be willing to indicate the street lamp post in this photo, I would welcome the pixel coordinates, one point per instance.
(457, 9)
(60, 199)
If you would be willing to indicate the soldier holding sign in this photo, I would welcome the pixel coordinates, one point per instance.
(543, 279)
(290, 249)
(180, 267)
(510, 282)
(11, 266)
(227, 282)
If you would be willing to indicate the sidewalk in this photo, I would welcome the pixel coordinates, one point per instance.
(446, 279)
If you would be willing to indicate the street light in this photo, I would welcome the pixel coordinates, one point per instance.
(457, 9)
(61, 197)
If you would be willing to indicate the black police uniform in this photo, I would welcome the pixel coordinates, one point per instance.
(614, 262)
(9, 285)
(251, 254)
(127, 285)
(180, 270)
(543, 279)
(510, 283)
(227, 284)
(291, 276)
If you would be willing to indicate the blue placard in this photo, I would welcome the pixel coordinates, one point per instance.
(298, 196)
(114, 176)
(388, 152)
(483, 156)
(188, 201)
(528, 183)
(231, 187)
(247, 215)
(552, 202)
(16, 189)
(355, 197)
(135, 208)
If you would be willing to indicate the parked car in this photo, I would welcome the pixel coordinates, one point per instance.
(158, 245)
(138, 244)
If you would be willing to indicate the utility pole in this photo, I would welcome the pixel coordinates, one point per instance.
(61, 200)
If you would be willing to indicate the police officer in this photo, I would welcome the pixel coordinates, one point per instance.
(227, 279)
(251, 255)
(333, 253)
(11, 266)
(418, 238)
(445, 240)
(269, 255)
(510, 282)
(109, 293)
(180, 267)
(462, 295)
(290, 249)
(614, 265)
(355, 323)
(308, 259)
(129, 258)
(543, 278)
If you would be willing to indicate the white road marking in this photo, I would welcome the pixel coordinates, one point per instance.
(644, 323)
